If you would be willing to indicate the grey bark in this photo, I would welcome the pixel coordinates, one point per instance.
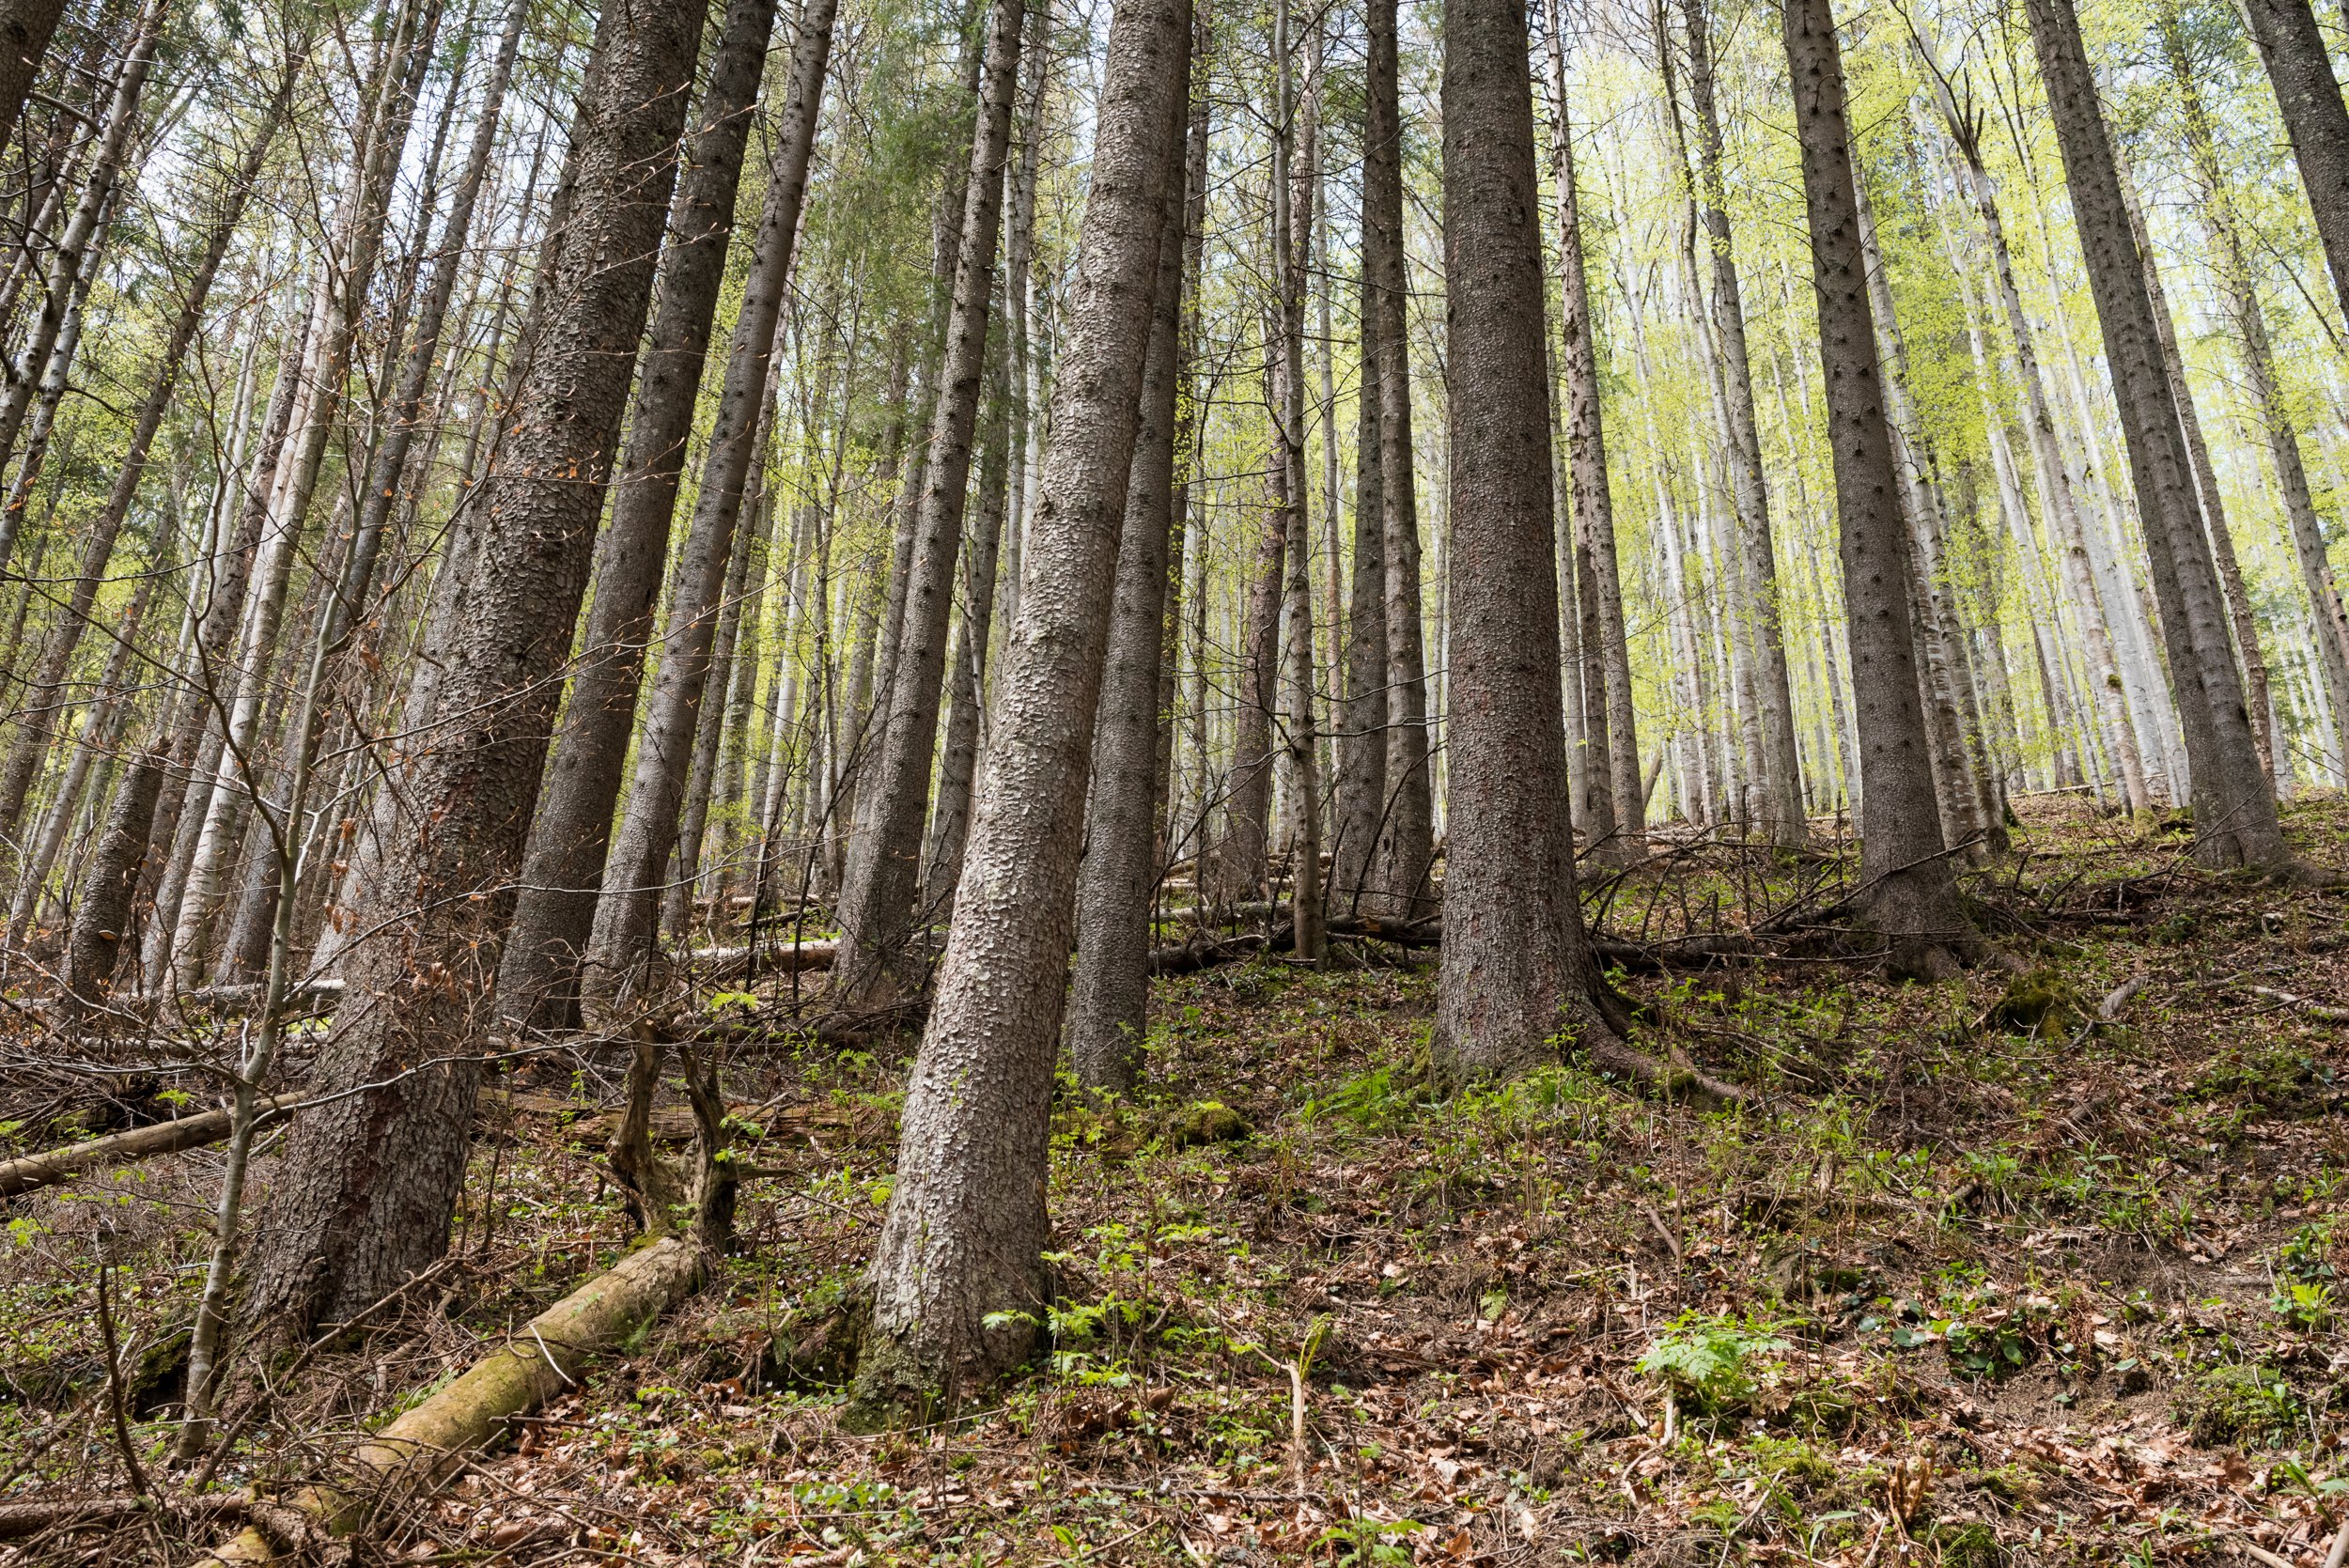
(1406, 843)
(555, 909)
(626, 929)
(1907, 894)
(878, 901)
(102, 916)
(370, 1177)
(2300, 69)
(1518, 971)
(957, 1280)
(1108, 1004)
(2234, 802)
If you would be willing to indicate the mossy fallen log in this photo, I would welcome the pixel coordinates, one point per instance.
(52, 1165)
(545, 1355)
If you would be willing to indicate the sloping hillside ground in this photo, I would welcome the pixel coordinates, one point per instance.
(1986, 1279)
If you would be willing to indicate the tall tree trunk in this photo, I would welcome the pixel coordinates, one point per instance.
(2059, 505)
(2241, 300)
(957, 1279)
(1613, 737)
(878, 913)
(1118, 874)
(1756, 560)
(1292, 224)
(26, 29)
(1407, 842)
(2234, 804)
(1362, 796)
(371, 1176)
(627, 912)
(1517, 970)
(1907, 894)
(555, 912)
(2300, 68)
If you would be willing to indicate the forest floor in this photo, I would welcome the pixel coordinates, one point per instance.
(1986, 1279)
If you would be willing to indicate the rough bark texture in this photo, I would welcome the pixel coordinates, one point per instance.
(1406, 844)
(1363, 720)
(2234, 803)
(1612, 728)
(1108, 1007)
(26, 29)
(967, 1223)
(555, 912)
(878, 913)
(1517, 971)
(2300, 68)
(1907, 892)
(102, 916)
(370, 1179)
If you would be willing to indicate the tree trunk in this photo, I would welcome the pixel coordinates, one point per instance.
(1755, 559)
(370, 1177)
(2058, 502)
(1116, 880)
(957, 1280)
(555, 912)
(877, 902)
(101, 918)
(2300, 68)
(2234, 804)
(26, 29)
(626, 913)
(1907, 894)
(1292, 224)
(1406, 844)
(1517, 971)
(1363, 720)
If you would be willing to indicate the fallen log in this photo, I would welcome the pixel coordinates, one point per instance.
(548, 1355)
(53, 1166)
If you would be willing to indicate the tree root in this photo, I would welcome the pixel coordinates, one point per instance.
(416, 1451)
(1677, 1079)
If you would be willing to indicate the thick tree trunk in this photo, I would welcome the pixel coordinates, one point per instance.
(1517, 971)
(877, 902)
(1907, 894)
(370, 1177)
(26, 29)
(101, 917)
(627, 912)
(1406, 843)
(1244, 858)
(957, 1279)
(555, 912)
(1115, 882)
(2234, 803)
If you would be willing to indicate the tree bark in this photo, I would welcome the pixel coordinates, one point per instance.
(626, 913)
(554, 910)
(1108, 1004)
(1406, 844)
(2300, 68)
(1907, 894)
(957, 1279)
(26, 29)
(877, 902)
(370, 1177)
(1517, 971)
(1612, 741)
(2234, 803)
(1756, 561)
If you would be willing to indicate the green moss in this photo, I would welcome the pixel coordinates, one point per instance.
(1971, 1545)
(1206, 1122)
(2040, 1003)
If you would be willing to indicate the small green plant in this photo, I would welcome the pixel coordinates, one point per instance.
(1709, 1362)
(2303, 1294)
(2236, 1404)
